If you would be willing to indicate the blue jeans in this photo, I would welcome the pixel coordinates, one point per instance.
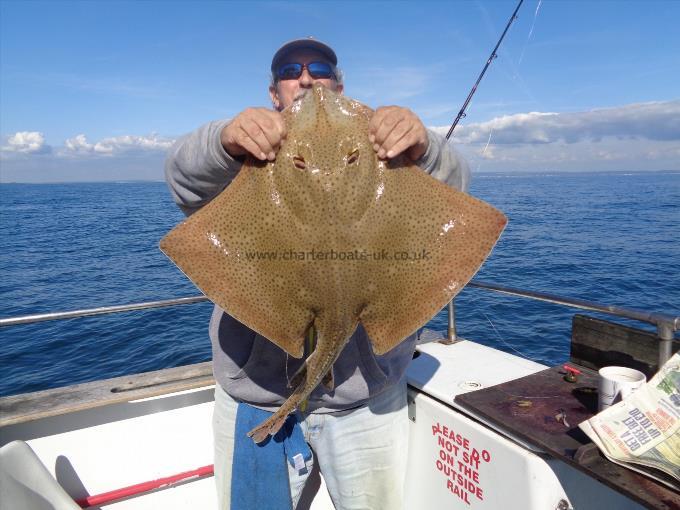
(361, 453)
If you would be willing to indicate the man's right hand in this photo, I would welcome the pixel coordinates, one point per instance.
(256, 131)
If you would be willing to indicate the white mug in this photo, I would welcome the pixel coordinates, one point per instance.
(616, 383)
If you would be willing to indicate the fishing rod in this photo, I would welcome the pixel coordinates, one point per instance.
(451, 334)
(493, 55)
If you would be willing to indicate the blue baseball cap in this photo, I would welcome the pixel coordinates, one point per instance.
(307, 43)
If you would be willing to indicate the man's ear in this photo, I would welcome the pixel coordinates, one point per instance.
(340, 88)
(274, 95)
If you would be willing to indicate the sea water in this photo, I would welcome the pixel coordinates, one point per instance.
(613, 238)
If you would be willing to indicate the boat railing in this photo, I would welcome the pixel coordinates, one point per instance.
(666, 325)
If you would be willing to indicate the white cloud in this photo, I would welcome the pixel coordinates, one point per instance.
(26, 142)
(78, 145)
(632, 137)
(641, 136)
(658, 121)
(117, 145)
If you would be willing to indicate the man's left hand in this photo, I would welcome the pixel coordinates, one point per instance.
(394, 130)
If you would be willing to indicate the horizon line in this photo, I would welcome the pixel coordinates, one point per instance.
(481, 172)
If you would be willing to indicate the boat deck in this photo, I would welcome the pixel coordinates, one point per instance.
(527, 408)
(110, 434)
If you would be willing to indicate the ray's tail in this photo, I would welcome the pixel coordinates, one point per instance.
(308, 377)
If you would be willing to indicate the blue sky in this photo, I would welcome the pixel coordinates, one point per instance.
(98, 90)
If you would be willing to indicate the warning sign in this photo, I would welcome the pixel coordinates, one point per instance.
(459, 461)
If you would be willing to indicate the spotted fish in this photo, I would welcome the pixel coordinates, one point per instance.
(327, 236)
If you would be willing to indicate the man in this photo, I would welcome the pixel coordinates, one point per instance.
(359, 431)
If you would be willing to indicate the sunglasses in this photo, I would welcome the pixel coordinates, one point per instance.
(317, 70)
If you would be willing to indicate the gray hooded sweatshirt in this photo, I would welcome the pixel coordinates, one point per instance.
(249, 367)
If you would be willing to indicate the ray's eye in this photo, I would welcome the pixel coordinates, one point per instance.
(352, 157)
(299, 162)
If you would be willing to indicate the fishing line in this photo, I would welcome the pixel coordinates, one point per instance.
(474, 300)
(481, 156)
(510, 346)
(461, 113)
(515, 68)
(533, 397)
(516, 76)
(487, 142)
(494, 55)
(536, 397)
(531, 31)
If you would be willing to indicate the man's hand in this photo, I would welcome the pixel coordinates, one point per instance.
(394, 129)
(256, 131)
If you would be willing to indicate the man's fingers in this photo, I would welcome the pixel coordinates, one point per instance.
(272, 125)
(253, 131)
(274, 129)
(245, 140)
(256, 131)
(401, 145)
(279, 123)
(398, 133)
(268, 138)
(393, 130)
(376, 123)
(387, 119)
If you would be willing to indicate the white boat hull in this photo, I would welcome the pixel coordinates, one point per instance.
(455, 460)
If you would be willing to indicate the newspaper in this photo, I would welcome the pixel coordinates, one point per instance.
(644, 429)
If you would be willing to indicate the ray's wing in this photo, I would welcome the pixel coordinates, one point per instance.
(435, 239)
(230, 249)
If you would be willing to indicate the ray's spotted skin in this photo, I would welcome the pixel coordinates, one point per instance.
(328, 235)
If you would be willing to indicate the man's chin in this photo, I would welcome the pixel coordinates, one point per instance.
(300, 94)
(303, 92)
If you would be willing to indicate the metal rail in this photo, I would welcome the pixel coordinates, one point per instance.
(88, 312)
(658, 319)
(666, 325)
